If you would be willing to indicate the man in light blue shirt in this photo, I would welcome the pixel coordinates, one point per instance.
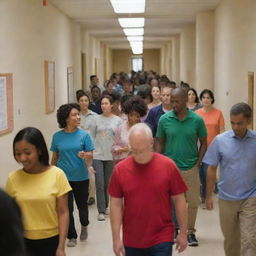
(235, 151)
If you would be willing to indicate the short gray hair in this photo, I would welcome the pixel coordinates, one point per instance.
(140, 127)
(241, 108)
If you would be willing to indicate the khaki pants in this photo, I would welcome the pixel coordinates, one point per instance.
(191, 177)
(238, 225)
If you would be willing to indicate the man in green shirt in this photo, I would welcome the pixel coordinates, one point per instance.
(178, 134)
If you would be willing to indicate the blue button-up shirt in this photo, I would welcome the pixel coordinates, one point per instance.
(237, 159)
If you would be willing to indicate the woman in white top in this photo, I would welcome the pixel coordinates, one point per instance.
(103, 135)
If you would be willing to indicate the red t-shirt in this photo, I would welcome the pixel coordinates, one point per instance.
(147, 190)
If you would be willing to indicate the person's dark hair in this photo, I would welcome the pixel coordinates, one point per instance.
(207, 91)
(171, 84)
(194, 91)
(154, 87)
(81, 93)
(144, 94)
(35, 137)
(241, 108)
(109, 97)
(63, 113)
(106, 83)
(11, 233)
(92, 76)
(136, 104)
(185, 86)
(95, 86)
(115, 96)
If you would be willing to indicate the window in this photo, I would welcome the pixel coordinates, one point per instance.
(137, 64)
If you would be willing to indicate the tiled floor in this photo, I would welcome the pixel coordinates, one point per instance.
(99, 241)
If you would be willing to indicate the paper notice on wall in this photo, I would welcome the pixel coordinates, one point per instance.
(3, 104)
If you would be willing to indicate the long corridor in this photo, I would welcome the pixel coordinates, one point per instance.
(99, 241)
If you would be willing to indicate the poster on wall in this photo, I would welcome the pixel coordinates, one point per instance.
(6, 103)
(49, 75)
(70, 82)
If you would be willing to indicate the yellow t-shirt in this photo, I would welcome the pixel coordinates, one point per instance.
(36, 195)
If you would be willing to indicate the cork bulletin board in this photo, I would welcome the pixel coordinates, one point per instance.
(49, 76)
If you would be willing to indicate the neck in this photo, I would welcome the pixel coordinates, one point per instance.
(207, 108)
(39, 168)
(85, 111)
(191, 104)
(70, 128)
(167, 106)
(182, 113)
(107, 114)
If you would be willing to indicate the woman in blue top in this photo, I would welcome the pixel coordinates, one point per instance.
(73, 152)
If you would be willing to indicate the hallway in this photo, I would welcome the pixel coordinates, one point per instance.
(99, 241)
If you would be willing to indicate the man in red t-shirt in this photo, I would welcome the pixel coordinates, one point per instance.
(141, 189)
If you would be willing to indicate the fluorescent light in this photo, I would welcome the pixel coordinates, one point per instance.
(136, 44)
(131, 22)
(137, 50)
(128, 6)
(134, 31)
(135, 38)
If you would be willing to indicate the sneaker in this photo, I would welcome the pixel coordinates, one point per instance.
(107, 211)
(71, 242)
(101, 216)
(91, 201)
(84, 233)
(192, 241)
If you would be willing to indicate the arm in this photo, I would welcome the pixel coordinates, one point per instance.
(210, 183)
(202, 149)
(63, 220)
(160, 144)
(222, 129)
(182, 216)
(116, 215)
(55, 157)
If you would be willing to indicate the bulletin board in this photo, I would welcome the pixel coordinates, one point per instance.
(49, 75)
(6, 103)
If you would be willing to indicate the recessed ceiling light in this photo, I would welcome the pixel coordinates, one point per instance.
(131, 22)
(128, 6)
(134, 31)
(135, 38)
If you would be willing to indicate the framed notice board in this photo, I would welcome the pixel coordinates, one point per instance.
(6, 103)
(49, 77)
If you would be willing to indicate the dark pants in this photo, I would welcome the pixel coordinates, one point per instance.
(80, 193)
(162, 249)
(42, 247)
(203, 176)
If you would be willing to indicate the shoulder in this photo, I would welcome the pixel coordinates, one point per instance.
(58, 133)
(14, 174)
(162, 159)
(166, 116)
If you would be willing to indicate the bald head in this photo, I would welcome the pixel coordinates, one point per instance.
(180, 92)
(141, 143)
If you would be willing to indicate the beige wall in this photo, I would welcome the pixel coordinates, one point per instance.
(175, 76)
(204, 51)
(235, 48)
(187, 55)
(121, 60)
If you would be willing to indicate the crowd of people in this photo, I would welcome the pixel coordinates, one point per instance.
(154, 147)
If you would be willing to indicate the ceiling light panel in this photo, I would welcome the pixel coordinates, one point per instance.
(131, 22)
(135, 38)
(134, 31)
(128, 6)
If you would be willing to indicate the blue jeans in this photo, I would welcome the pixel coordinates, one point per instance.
(162, 249)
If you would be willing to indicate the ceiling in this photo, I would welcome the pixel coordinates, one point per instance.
(163, 19)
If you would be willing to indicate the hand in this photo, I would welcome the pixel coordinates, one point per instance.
(118, 248)
(181, 242)
(91, 170)
(60, 252)
(209, 203)
(83, 154)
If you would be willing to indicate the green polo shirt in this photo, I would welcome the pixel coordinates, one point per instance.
(181, 137)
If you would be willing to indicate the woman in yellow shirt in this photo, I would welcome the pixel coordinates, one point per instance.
(41, 192)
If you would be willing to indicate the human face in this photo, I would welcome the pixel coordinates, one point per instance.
(133, 117)
(179, 103)
(206, 100)
(84, 102)
(106, 106)
(155, 93)
(28, 155)
(154, 82)
(95, 94)
(141, 149)
(127, 87)
(166, 96)
(239, 124)
(191, 96)
(73, 119)
(95, 81)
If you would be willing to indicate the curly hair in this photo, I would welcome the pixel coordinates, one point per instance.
(63, 113)
(136, 104)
